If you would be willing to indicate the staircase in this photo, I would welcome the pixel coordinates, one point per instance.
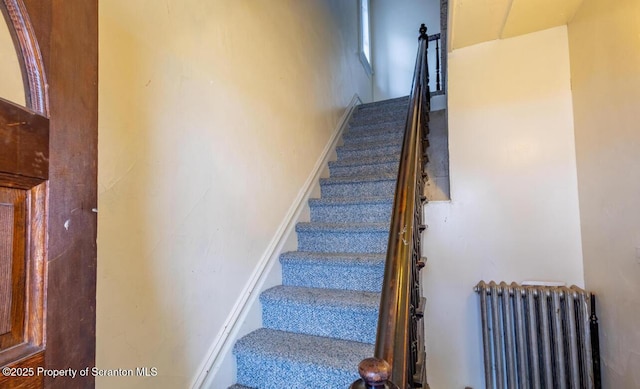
(322, 321)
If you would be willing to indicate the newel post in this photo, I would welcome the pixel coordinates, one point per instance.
(423, 32)
(375, 374)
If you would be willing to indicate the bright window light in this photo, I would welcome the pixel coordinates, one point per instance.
(365, 44)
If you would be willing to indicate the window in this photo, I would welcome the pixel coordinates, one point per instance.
(365, 35)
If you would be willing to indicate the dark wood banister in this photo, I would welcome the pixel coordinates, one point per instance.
(436, 38)
(398, 349)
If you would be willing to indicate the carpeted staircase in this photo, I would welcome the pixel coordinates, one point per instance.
(322, 321)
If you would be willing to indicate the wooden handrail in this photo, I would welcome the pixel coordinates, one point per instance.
(399, 351)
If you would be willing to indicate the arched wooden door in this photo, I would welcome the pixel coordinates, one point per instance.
(48, 166)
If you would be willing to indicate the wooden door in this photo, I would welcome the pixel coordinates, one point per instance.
(48, 166)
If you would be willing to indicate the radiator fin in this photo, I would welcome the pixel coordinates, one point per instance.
(536, 337)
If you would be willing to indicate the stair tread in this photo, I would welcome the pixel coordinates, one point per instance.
(347, 171)
(322, 311)
(359, 178)
(393, 106)
(338, 354)
(382, 103)
(372, 137)
(355, 133)
(341, 227)
(389, 109)
(379, 117)
(343, 162)
(372, 145)
(319, 257)
(326, 201)
(377, 126)
(383, 121)
(349, 271)
(378, 151)
(329, 298)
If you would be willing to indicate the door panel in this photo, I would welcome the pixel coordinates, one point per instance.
(48, 186)
(24, 170)
(7, 211)
(9, 207)
(12, 266)
(22, 274)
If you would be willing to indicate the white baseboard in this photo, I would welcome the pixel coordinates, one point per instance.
(226, 338)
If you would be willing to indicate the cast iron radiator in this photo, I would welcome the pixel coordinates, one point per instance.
(539, 337)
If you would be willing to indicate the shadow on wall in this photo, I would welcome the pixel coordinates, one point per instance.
(437, 187)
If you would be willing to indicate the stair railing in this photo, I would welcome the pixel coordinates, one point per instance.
(438, 88)
(399, 357)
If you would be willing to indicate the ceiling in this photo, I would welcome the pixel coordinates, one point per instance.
(476, 21)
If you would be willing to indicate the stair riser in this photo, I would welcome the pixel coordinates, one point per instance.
(357, 324)
(366, 278)
(400, 108)
(383, 137)
(356, 146)
(344, 171)
(392, 109)
(368, 152)
(343, 242)
(388, 104)
(390, 126)
(356, 213)
(265, 373)
(392, 116)
(354, 189)
(356, 134)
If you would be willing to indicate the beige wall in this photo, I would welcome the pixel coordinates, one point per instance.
(514, 209)
(605, 74)
(212, 115)
(11, 87)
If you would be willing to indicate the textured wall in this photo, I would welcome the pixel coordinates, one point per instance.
(513, 214)
(212, 115)
(605, 76)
